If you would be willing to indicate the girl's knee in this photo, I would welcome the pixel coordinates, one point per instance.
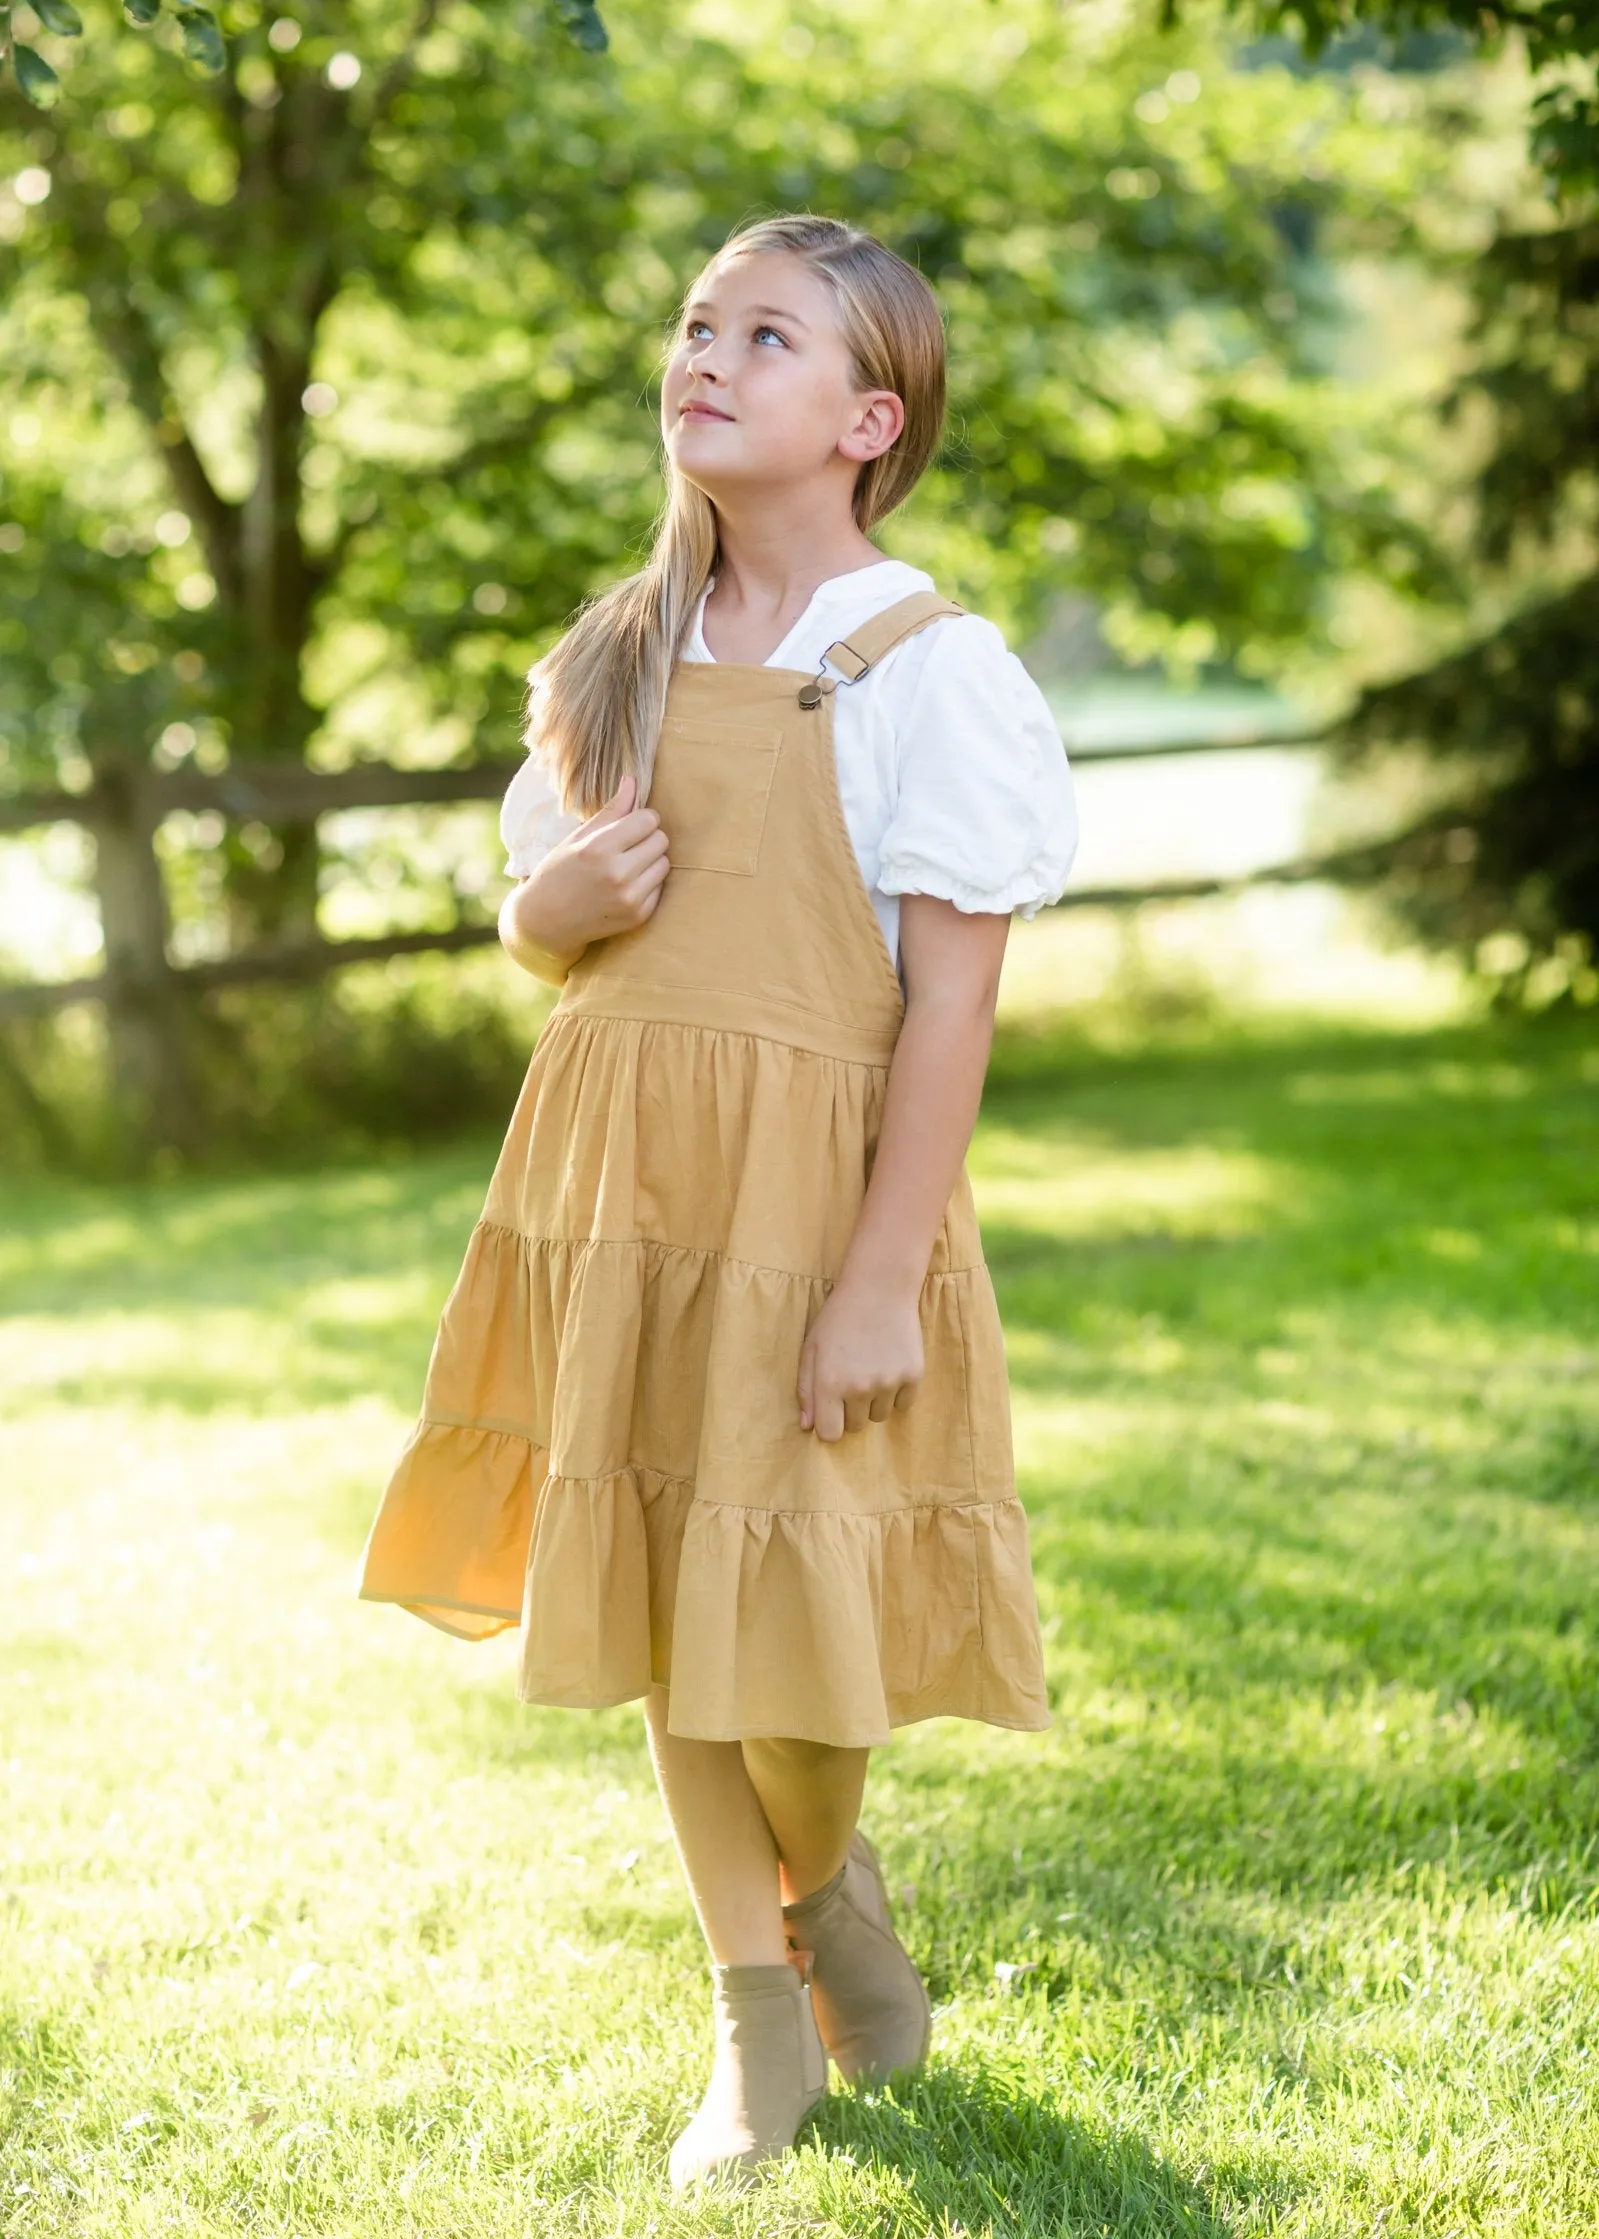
(795, 1755)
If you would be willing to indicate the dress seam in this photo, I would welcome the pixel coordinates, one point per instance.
(853, 1515)
(704, 1251)
(744, 1033)
(977, 1568)
(671, 1477)
(966, 1386)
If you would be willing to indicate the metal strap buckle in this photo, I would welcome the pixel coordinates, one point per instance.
(843, 656)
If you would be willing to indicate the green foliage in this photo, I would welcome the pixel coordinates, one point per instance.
(202, 40)
(59, 17)
(1513, 714)
(95, 652)
(408, 1051)
(471, 288)
(35, 78)
(581, 20)
(412, 1050)
(1561, 45)
(1511, 865)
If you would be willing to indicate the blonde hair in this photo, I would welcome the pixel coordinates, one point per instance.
(597, 710)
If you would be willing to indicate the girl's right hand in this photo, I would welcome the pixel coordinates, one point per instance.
(606, 877)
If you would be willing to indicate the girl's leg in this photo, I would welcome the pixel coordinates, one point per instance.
(811, 1796)
(732, 1806)
(870, 2003)
(729, 1857)
(758, 1824)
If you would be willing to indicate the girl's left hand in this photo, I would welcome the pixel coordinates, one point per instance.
(862, 1358)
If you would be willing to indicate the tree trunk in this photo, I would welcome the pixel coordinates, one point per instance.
(151, 1083)
(272, 890)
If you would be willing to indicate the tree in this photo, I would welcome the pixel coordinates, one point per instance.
(1509, 866)
(337, 363)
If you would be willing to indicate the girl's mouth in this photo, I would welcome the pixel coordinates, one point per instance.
(703, 412)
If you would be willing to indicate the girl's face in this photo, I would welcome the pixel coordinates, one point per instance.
(760, 388)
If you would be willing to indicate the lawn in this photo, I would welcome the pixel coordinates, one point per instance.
(1287, 1926)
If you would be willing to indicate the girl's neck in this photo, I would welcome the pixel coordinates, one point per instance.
(767, 573)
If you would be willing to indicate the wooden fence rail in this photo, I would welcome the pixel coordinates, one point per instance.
(274, 792)
(125, 808)
(146, 995)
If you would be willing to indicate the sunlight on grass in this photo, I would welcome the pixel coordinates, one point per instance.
(1271, 952)
(1066, 1185)
(1286, 1927)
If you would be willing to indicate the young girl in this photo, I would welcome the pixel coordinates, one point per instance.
(718, 1411)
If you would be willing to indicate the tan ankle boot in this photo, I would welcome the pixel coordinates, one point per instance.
(769, 2072)
(871, 2005)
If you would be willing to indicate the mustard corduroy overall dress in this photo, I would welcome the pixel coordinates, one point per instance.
(609, 1452)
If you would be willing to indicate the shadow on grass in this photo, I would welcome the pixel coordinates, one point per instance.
(980, 2152)
(1421, 1176)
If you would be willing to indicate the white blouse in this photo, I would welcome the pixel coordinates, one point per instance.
(951, 772)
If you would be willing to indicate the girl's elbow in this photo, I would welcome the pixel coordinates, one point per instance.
(510, 937)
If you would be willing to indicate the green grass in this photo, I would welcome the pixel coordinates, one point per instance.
(1287, 1926)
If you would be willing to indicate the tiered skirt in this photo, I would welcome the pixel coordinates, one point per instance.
(610, 1456)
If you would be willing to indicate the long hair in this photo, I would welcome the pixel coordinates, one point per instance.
(601, 693)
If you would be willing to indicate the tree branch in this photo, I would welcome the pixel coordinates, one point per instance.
(399, 71)
(505, 443)
(127, 338)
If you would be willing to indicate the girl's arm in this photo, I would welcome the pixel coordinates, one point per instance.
(604, 877)
(520, 921)
(863, 1354)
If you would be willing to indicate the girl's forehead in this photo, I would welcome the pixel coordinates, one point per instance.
(771, 280)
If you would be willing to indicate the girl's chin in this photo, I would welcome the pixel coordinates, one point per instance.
(699, 439)
(706, 464)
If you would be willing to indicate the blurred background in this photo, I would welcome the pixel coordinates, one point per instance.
(327, 360)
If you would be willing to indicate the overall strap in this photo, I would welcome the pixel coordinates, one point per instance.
(866, 646)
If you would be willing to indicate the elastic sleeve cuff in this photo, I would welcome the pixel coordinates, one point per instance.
(1022, 895)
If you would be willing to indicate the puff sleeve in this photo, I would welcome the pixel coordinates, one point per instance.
(531, 816)
(985, 813)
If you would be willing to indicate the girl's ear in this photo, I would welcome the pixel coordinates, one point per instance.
(879, 420)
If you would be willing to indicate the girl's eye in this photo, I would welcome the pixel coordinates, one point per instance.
(694, 328)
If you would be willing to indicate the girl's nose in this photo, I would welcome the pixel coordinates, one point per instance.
(703, 364)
